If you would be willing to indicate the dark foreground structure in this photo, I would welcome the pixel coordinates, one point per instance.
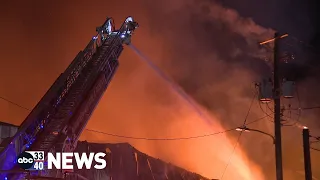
(124, 162)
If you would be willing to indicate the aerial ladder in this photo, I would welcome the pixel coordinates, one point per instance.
(57, 121)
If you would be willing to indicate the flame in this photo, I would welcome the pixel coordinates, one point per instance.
(234, 163)
(207, 156)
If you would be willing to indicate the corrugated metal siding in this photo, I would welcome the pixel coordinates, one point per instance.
(121, 165)
(7, 130)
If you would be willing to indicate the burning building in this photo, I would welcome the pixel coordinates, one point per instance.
(125, 162)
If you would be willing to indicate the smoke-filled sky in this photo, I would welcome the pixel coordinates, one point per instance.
(209, 48)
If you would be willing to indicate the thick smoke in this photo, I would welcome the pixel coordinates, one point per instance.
(213, 53)
(208, 49)
(203, 48)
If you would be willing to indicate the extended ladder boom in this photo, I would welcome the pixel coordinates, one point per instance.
(57, 121)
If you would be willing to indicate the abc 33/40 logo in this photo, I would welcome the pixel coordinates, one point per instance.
(31, 160)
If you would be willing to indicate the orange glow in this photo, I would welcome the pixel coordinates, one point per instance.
(39, 40)
(206, 156)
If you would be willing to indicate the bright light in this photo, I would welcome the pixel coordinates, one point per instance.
(305, 127)
(242, 129)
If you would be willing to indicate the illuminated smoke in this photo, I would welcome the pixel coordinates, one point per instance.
(207, 49)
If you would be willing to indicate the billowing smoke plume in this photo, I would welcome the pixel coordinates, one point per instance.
(209, 50)
(213, 53)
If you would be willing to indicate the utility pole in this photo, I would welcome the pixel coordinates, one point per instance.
(306, 153)
(277, 110)
(277, 105)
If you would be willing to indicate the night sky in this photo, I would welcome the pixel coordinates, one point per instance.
(209, 48)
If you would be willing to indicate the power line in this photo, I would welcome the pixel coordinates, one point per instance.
(161, 139)
(246, 118)
(156, 139)
(317, 138)
(11, 102)
(230, 158)
(238, 140)
(314, 149)
(297, 121)
(176, 138)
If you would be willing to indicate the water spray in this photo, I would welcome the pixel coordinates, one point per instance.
(174, 85)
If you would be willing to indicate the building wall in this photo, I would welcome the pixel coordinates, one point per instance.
(124, 162)
(7, 130)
